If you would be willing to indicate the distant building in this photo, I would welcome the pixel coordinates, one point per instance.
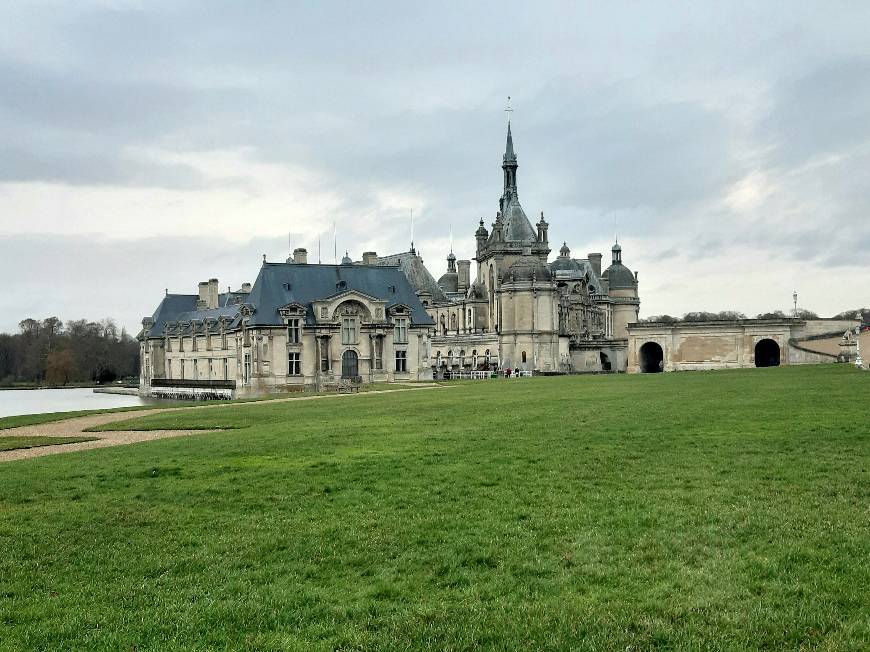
(521, 311)
(299, 325)
(386, 318)
(739, 343)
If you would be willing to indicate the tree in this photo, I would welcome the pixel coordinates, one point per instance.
(59, 367)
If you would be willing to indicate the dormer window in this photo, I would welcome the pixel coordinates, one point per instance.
(294, 330)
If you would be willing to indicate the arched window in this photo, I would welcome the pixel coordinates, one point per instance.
(453, 322)
(443, 325)
(462, 358)
(474, 359)
(486, 357)
(524, 356)
(450, 357)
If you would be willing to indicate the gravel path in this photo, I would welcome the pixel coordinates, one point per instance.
(76, 426)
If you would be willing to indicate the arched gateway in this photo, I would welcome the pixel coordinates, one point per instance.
(651, 358)
(766, 353)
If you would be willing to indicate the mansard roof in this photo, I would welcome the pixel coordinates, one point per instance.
(281, 284)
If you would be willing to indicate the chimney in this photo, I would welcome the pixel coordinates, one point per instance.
(213, 293)
(246, 288)
(370, 258)
(595, 261)
(464, 274)
(202, 301)
(300, 256)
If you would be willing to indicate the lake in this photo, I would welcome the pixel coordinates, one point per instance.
(39, 401)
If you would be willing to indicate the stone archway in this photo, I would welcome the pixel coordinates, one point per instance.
(651, 358)
(767, 353)
(605, 361)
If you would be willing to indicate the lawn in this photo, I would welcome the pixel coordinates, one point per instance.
(705, 511)
(14, 443)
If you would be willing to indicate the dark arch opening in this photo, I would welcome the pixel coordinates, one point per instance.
(349, 364)
(651, 358)
(605, 362)
(766, 353)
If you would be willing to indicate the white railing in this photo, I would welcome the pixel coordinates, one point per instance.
(468, 375)
(521, 373)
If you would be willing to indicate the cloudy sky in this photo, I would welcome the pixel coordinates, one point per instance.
(146, 145)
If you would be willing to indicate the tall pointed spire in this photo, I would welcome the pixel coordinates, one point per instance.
(509, 154)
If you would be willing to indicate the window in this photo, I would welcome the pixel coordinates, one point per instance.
(324, 356)
(348, 330)
(379, 353)
(401, 361)
(247, 376)
(181, 343)
(169, 367)
(524, 356)
(196, 369)
(474, 358)
(226, 368)
(193, 339)
(294, 364)
(224, 340)
(294, 331)
(210, 368)
(400, 334)
(323, 313)
(182, 368)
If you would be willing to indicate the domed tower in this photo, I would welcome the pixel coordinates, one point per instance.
(622, 291)
(449, 281)
(529, 316)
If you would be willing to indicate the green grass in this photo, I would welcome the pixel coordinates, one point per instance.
(701, 511)
(14, 443)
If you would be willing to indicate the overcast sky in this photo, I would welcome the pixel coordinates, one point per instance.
(146, 145)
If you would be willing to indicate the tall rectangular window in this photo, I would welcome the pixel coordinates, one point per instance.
(379, 353)
(294, 364)
(247, 370)
(401, 361)
(348, 330)
(294, 331)
(196, 369)
(226, 368)
(400, 333)
(182, 368)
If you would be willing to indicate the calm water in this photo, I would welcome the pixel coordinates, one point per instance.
(37, 401)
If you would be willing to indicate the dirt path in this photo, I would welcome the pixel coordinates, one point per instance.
(76, 426)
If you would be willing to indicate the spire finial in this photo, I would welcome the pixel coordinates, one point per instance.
(412, 230)
(451, 238)
(509, 110)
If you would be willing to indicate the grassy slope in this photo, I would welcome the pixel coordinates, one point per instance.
(718, 510)
(14, 443)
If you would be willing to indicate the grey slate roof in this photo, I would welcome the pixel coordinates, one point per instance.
(421, 280)
(279, 284)
(310, 282)
(517, 227)
(619, 276)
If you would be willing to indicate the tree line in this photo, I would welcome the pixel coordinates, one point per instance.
(859, 313)
(49, 352)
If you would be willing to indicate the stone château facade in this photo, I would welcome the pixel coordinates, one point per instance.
(386, 318)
